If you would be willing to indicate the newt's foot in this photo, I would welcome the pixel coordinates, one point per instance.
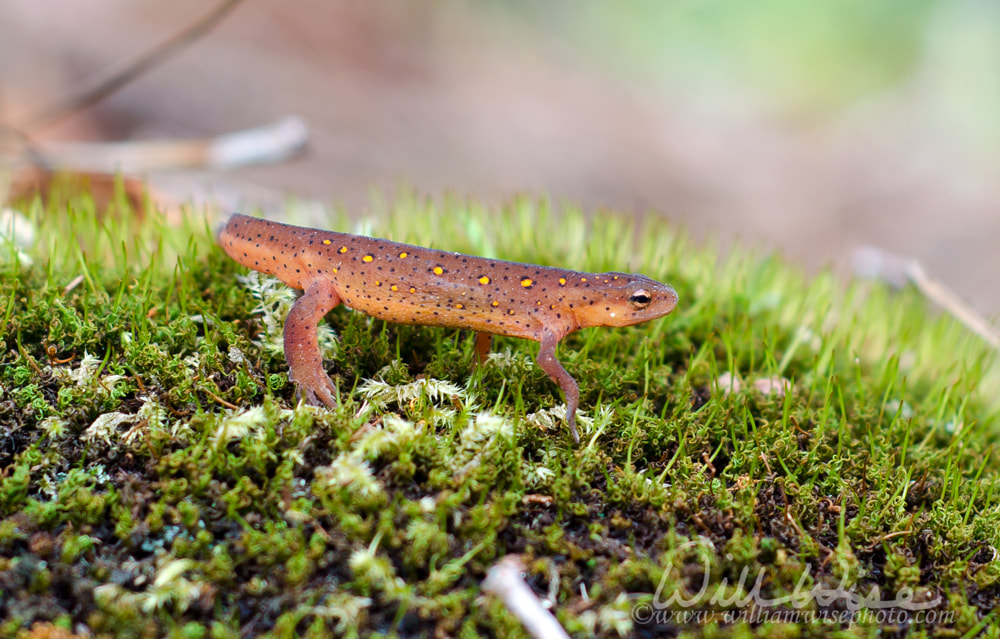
(317, 394)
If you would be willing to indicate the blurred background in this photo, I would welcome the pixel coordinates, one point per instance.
(807, 128)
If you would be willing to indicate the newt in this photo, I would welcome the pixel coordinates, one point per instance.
(415, 285)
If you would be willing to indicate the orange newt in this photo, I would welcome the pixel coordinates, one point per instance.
(415, 285)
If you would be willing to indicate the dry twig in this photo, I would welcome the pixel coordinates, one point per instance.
(504, 580)
(118, 77)
(897, 270)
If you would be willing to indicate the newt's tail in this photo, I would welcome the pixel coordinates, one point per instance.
(221, 234)
(245, 240)
(266, 246)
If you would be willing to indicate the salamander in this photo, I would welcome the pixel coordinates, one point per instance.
(416, 285)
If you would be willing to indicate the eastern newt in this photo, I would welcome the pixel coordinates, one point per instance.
(416, 285)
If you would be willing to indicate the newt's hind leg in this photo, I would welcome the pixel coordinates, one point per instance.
(483, 343)
(305, 362)
(547, 361)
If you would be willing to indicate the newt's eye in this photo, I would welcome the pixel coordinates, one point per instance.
(640, 299)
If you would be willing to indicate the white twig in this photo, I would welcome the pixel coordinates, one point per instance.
(269, 143)
(504, 580)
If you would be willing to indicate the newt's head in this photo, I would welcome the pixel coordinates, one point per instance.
(622, 299)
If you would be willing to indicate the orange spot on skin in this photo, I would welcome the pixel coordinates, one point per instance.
(527, 283)
(438, 270)
(484, 280)
(378, 283)
(583, 279)
(413, 290)
(403, 255)
(510, 312)
(343, 249)
(393, 288)
(327, 242)
(459, 306)
(494, 304)
(562, 281)
(367, 258)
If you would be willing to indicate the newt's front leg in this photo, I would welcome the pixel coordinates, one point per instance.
(305, 362)
(547, 361)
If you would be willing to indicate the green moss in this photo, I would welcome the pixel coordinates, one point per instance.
(129, 481)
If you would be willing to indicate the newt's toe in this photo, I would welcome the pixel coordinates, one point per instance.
(316, 389)
(317, 396)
